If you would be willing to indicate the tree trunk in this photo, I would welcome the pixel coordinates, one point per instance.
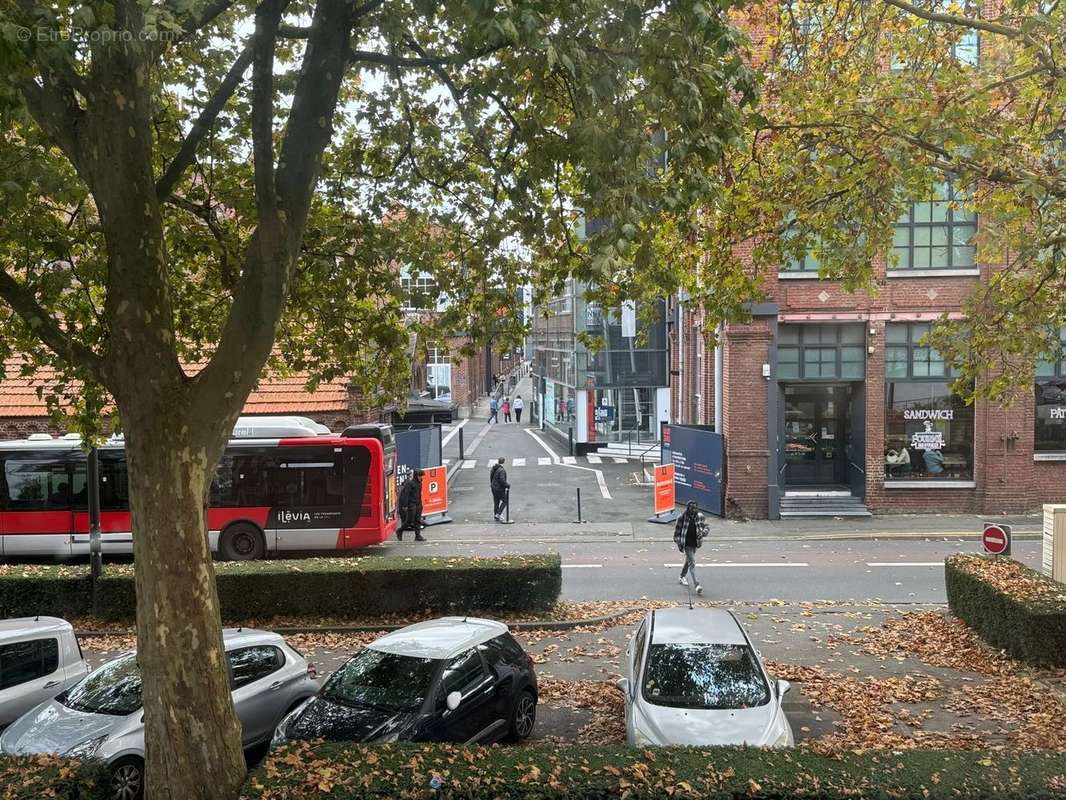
(192, 733)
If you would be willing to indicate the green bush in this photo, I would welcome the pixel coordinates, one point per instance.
(338, 587)
(1010, 606)
(36, 777)
(346, 772)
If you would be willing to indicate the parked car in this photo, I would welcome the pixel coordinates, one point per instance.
(39, 658)
(101, 717)
(455, 679)
(692, 677)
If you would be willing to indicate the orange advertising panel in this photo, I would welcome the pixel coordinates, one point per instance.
(434, 490)
(664, 488)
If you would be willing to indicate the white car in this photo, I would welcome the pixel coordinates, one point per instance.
(101, 716)
(39, 658)
(692, 677)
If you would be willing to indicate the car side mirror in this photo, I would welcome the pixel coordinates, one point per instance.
(453, 700)
(783, 688)
(623, 685)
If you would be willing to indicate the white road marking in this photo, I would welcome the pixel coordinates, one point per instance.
(543, 461)
(582, 566)
(618, 460)
(599, 475)
(518, 462)
(904, 563)
(569, 460)
(594, 459)
(447, 461)
(759, 564)
(455, 430)
(468, 464)
(477, 440)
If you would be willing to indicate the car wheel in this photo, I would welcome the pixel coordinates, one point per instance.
(242, 542)
(523, 716)
(127, 779)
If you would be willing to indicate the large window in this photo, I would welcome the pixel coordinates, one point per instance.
(819, 352)
(929, 430)
(1051, 400)
(935, 234)
(33, 482)
(438, 373)
(420, 292)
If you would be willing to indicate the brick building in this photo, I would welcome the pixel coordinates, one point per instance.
(829, 400)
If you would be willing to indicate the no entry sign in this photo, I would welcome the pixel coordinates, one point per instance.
(996, 539)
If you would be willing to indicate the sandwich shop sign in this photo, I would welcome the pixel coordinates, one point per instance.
(928, 438)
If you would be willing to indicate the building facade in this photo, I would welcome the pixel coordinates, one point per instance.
(826, 393)
(616, 393)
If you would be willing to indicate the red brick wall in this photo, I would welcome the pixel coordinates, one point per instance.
(21, 427)
(745, 411)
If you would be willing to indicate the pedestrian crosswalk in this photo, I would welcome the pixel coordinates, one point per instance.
(542, 461)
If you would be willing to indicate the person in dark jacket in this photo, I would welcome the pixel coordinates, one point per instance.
(411, 506)
(499, 485)
(688, 536)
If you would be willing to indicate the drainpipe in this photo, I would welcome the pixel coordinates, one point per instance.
(680, 359)
(718, 372)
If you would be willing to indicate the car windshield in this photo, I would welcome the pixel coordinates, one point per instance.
(705, 676)
(382, 680)
(115, 688)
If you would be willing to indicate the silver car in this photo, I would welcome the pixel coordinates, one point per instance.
(39, 658)
(692, 677)
(101, 716)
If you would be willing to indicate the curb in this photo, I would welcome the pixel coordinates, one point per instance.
(600, 537)
(532, 625)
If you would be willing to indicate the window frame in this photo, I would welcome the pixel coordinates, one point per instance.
(907, 222)
(912, 346)
(1056, 375)
(279, 663)
(838, 345)
(43, 658)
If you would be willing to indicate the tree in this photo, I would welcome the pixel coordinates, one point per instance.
(868, 106)
(194, 190)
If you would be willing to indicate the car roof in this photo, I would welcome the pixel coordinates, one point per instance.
(439, 638)
(246, 637)
(11, 629)
(696, 626)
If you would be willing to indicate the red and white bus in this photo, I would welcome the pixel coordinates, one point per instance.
(269, 495)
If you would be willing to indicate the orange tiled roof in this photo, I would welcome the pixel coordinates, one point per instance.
(18, 395)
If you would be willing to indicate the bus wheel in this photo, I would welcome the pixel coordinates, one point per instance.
(242, 542)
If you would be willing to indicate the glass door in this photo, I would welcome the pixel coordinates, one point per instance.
(815, 432)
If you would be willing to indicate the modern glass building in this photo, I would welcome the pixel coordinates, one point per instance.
(618, 392)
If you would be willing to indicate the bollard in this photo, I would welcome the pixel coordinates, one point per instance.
(507, 504)
(462, 450)
(570, 437)
(579, 520)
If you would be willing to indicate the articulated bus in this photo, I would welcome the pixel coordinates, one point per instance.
(268, 495)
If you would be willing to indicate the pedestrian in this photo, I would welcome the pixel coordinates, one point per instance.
(518, 406)
(688, 536)
(411, 506)
(500, 488)
(493, 410)
(506, 409)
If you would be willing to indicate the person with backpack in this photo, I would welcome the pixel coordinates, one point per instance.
(500, 487)
(411, 506)
(689, 531)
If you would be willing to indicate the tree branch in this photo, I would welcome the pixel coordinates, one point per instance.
(56, 113)
(187, 152)
(390, 60)
(956, 19)
(46, 328)
(205, 214)
(211, 13)
(267, 19)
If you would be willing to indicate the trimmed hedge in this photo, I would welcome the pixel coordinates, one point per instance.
(1030, 625)
(348, 772)
(36, 777)
(338, 587)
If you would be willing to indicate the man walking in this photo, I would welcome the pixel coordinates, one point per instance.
(500, 487)
(494, 410)
(411, 506)
(688, 536)
(518, 406)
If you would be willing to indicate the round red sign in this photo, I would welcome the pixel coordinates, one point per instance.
(995, 539)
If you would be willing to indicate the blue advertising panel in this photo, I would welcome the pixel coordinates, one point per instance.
(417, 448)
(697, 455)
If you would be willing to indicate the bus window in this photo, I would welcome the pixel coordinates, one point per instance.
(36, 484)
(114, 482)
(308, 477)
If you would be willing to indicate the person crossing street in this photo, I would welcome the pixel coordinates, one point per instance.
(688, 536)
(500, 487)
